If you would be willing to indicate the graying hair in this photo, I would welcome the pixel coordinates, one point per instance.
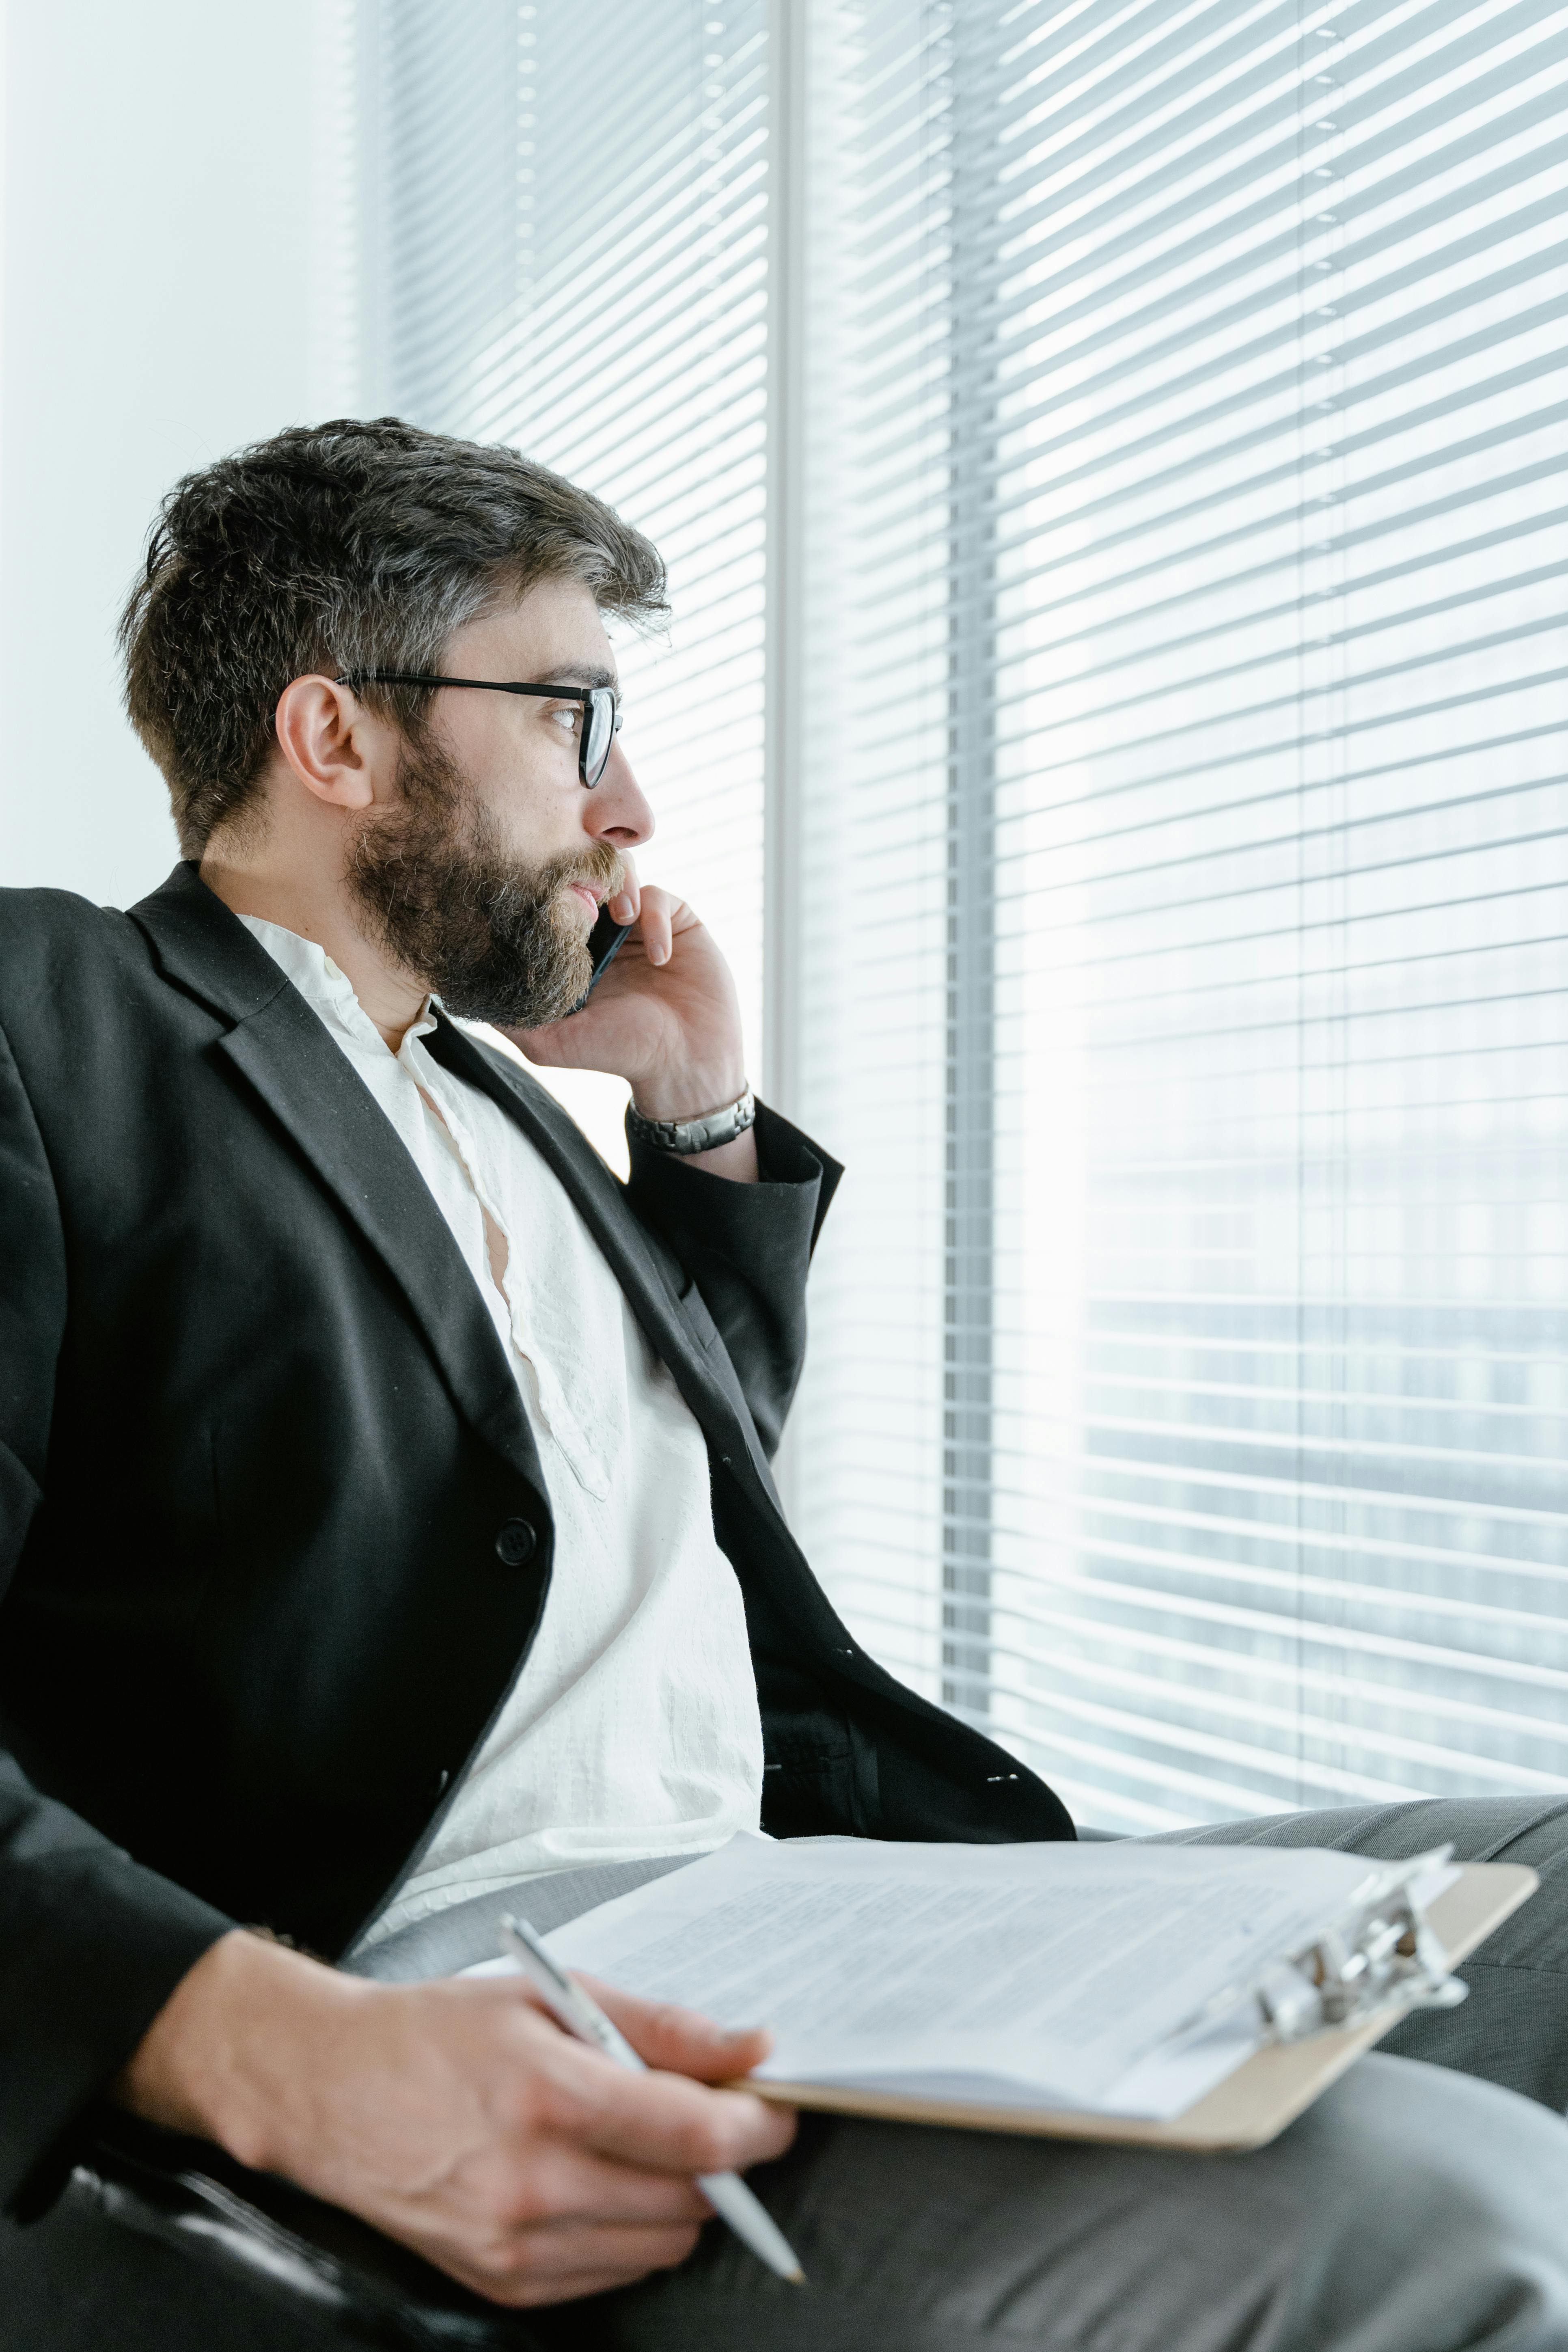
(337, 547)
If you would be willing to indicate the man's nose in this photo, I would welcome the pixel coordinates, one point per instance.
(617, 810)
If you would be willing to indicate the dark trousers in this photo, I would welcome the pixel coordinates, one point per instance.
(1409, 2212)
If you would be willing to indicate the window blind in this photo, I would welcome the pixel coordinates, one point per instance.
(571, 258)
(1186, 842)
(1158, 668)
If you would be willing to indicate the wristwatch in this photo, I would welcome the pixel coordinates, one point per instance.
(689, 1135)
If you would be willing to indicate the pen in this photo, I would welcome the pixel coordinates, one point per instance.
(580, 2014)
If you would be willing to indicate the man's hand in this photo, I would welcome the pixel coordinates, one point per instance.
(456, 2116)
(666, 1017)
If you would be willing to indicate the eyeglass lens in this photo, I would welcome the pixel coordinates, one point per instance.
(599, 734)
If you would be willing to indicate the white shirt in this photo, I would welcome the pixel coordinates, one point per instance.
(634, 1729)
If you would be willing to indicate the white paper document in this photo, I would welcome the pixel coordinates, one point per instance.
(1046, 1975)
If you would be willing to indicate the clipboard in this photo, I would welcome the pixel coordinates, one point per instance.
(1253, 2104)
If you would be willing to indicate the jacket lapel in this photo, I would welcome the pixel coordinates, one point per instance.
(718, 1403)
(280, 1048)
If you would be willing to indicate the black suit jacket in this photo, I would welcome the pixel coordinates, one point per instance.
(265, 1477)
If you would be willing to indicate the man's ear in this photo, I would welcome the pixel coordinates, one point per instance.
(329, 741)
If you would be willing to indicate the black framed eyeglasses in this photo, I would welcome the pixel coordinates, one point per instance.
(601, 707)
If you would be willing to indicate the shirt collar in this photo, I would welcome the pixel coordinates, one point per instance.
(327, 988)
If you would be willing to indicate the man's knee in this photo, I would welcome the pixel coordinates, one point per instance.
(1435, 2211)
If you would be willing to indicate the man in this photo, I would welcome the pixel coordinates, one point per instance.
(387, 1521)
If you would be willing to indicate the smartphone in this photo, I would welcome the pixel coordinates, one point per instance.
(604, 945)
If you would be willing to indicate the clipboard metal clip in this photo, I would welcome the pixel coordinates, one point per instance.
(1382, 1956)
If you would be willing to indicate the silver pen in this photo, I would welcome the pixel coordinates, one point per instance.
(580, 2014)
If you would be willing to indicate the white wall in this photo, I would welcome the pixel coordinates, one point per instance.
(176, 265)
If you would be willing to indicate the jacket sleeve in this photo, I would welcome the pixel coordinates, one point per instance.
(748, 1248)
(90, 1945)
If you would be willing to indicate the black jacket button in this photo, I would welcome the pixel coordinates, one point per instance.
(515, 1543)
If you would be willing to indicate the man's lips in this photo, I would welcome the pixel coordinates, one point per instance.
(589, 895)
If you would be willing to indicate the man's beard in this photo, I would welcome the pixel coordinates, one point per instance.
(495, 938)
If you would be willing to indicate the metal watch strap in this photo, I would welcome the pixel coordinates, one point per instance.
(687, 1135)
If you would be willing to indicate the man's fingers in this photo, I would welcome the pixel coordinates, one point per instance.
(681, 2041)
(628, 2252)
(661, 915)
(560, 2265)
(662, 2123)
(568, 2186)
(627, 904)
(655, 928)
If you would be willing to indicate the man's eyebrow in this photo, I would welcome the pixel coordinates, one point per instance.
(580, 674)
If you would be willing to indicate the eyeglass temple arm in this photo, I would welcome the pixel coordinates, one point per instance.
(583, 694)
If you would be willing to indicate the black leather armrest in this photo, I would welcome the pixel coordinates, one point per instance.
(306, 2256)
